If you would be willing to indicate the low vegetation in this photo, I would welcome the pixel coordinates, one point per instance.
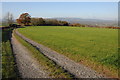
(94, 47)
(55, 70)
(9, 69)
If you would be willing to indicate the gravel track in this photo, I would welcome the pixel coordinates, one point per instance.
(27, 65)
(79, 70)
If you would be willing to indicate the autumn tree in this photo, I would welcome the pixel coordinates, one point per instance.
(24, 19)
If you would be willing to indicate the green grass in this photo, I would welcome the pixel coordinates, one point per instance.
(8, 63)
(55, 70)
(96, 45)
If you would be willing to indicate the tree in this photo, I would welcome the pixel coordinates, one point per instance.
(8, 19)
(37, 21)
(52, 22)
(24, 19)
(63, 23)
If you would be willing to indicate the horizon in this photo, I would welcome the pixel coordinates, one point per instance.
(80, 18)
(70, 18)
(83, 10)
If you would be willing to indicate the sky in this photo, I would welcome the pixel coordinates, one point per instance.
(87, 10)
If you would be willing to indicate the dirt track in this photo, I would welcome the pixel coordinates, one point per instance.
(79, 70)
(27, 65)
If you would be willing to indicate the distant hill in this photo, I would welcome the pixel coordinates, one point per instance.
(90, 21)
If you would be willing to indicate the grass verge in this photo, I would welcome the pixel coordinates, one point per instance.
(55, 70)
(8, 63)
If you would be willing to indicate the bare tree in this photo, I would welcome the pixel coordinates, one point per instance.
(8, 19)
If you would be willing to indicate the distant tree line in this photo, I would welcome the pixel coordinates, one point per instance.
(47, 22)
(78, 25)
(26, 20)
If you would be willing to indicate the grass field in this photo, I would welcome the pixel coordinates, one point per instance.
(94, 47)
(55, 70)
(8, 64)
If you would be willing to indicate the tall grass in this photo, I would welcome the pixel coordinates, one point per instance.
(9, 69)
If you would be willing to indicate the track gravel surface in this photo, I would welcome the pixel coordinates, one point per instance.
(27, 65)
(79, 70)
